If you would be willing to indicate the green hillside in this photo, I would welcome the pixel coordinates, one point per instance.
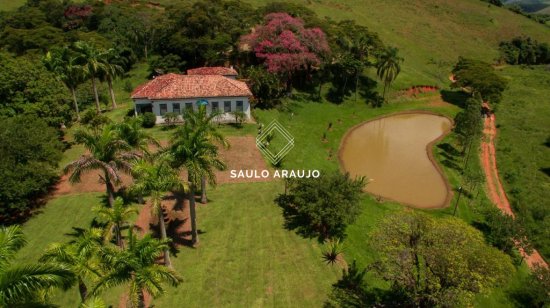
(432, 34)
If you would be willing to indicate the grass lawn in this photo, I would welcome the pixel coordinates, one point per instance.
(247, 258)
(57, 219)
(523, 151)
(8, 5)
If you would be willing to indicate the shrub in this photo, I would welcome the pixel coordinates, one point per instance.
(170, 118)
(91, 118)
(30, 152)
(149, 120)
(128, 87)
(239, 117)
(322, 206)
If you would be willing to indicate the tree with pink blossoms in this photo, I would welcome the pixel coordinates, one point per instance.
(286, 46)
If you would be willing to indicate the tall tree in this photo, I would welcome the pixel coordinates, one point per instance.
(388, 67)
(286, 46)
(116, 218)
(132, 132)
(468, 124)
(136, 267)
(62, 62)
(434, 262)
(110, 59)
(193, 150)
(79, 256)
(30, 152)
(155, 179)
(355, 49)
(20, 285)
(204, 122)
(480, 79)
(323, 206)
(91, 60)
(107, 153)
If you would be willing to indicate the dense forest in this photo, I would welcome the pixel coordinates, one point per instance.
(58, 58)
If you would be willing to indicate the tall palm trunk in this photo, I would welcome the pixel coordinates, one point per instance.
(141, 299)
(384, 94)
(118, 235)
(110, 191)
(82, 289)
(111, 91)
(204, 199)
(163, 236)
(193, 214)
(356, 84)
(75, 101)
(96, 96)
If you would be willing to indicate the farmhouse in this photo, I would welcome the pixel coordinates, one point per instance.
(214, 87)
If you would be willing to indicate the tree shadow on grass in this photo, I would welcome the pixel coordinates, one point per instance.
(545, 171)
(457, 98)
(449, 149)
(451, 164)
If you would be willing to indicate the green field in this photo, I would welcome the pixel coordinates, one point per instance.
(523, 152)
(52, 225)
(8, 5)
(431, 35)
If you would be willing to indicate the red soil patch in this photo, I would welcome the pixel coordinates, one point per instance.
(415, 90)
(242, 155)
(494, 185)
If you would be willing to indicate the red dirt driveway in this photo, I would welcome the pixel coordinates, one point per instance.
(494, 185)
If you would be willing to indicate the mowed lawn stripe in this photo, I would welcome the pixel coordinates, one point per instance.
(247, 258)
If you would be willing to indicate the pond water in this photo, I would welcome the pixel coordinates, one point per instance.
(392, 153)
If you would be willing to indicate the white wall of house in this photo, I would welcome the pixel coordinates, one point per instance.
(232, 105)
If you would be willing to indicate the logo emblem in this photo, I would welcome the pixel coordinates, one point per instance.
(263, 141)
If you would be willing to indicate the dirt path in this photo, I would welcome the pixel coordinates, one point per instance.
(176, 212)
(494, 185)
(242, 155)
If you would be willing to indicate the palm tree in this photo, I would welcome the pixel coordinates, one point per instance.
(135, 136)
(193, 150)
(108, 153)
(93, 302)
(155, 179)
(79, 255)
(62, 62)
(362, 47)
(116, 218)
(388, 67)
(204, 122)
(112, 69)
(20, 284)
(136, 266)
(92, 63)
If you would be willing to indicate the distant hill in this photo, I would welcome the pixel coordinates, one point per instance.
(531, 6)
(546, 10)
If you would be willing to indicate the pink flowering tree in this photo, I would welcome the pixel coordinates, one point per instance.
(286, 45)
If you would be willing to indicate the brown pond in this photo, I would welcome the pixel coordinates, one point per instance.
(393, 153)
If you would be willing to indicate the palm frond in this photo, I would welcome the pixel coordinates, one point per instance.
(11, 240)
(23, 281)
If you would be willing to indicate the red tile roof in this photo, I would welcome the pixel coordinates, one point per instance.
(214, 70)
(174, 86)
